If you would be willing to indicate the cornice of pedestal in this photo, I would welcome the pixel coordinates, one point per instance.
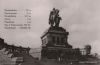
(56, 30)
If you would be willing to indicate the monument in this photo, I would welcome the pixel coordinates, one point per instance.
(54, 18)
(55, 40)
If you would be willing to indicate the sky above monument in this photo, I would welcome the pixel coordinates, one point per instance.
(79, 17)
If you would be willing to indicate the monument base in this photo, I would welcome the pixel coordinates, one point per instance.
(54, 43)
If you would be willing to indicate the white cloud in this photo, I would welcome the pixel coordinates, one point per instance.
(96, 46)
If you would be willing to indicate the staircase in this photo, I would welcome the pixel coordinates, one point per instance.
(4, 58)
(29, 60)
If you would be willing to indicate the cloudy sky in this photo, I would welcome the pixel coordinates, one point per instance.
(80, 17)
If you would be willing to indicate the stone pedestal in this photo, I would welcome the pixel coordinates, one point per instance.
(54, 43)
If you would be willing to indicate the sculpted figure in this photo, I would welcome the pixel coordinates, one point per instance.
(51, 17)
(54, 18)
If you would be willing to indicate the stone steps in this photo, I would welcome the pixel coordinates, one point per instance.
(7, 59)
(29, 60)
(4, 58)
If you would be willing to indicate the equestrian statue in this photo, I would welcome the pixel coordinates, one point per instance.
(54, 18)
